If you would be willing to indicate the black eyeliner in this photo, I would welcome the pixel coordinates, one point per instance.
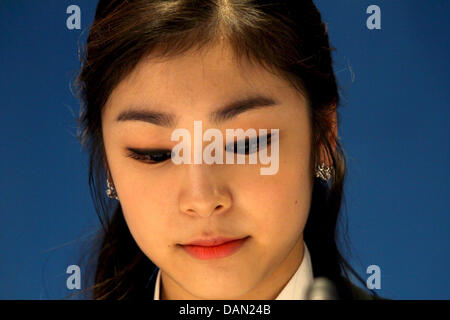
(148, 155)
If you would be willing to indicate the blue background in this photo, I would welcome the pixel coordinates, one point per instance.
(394, 128)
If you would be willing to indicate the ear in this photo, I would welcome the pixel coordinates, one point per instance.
(105, 164)
(332, 136)
(333, 121)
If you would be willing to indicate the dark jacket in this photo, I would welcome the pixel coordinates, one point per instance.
(360, 294)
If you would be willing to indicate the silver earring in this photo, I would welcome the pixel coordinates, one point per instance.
(323, 171)
(111, 191)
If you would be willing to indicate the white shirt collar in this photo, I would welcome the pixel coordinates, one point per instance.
(295, 289)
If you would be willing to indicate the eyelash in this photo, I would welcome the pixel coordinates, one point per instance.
(147, 156)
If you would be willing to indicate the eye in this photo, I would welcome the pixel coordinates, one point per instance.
(151, 156)
(250, 145)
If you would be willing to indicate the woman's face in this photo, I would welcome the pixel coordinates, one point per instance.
(166, 205)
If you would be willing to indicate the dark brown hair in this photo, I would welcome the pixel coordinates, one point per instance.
(285, 37)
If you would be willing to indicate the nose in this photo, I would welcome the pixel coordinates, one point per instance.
(203, 193)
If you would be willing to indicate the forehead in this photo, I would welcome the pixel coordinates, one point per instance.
(197, 78)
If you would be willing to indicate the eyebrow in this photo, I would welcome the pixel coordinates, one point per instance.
(225, 113)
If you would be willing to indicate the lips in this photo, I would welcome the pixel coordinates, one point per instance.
(214, 248)
(211, 242)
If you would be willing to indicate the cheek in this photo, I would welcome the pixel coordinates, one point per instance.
(279, 204)
(146, 201)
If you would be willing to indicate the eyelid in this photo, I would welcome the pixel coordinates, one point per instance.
(146, 151)
(143, 154)
(252, 140)
(257, 138)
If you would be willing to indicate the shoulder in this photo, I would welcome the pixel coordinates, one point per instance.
(358, 293)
